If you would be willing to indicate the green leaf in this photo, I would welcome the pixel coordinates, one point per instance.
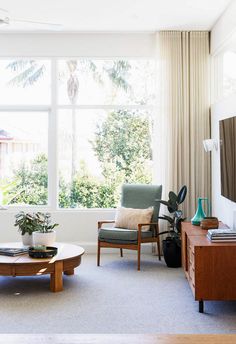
(172, 197)
(168, 218)
(182, 194)
(165, 203)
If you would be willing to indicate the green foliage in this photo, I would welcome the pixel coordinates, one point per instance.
(88, 192)
(43, 221)
(31, 222)
(122, 142)
(175, 220)
(26, 222)
(64, 198)
(7, 189)
(30, 183)
(117, 73)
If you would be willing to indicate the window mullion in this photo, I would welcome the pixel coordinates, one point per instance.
(52, 142)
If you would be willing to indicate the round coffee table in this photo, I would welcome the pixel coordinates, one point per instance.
(67, 258)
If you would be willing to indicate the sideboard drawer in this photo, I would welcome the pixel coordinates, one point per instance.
(191, 256)
(192, 274)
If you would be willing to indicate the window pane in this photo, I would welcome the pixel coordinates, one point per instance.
(24, 82)
(229, 73)
(23, 158)
(98, 151)
(95, 82)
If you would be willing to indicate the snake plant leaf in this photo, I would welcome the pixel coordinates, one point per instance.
(182, 194)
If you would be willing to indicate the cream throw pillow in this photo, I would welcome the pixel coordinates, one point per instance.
(130, 218)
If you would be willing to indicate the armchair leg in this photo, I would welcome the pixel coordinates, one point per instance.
(121, 252)
(139, 256)
(98, 254)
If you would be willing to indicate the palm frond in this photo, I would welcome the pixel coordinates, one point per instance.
(90, 66)
(28, 77)
(19, 65)
(34, 77)
(118, 73)
(20, 78)
(72, 65)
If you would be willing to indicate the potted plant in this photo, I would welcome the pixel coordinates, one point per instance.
(27, 223)
(44, 234)
(172, 244)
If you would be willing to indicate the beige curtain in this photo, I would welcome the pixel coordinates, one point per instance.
(184, 113)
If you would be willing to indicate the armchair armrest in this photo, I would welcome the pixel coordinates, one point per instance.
(147, 224)
(100, 223)
(140, 225)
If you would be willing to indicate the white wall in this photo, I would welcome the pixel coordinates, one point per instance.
(74, 226)
(83, 45)
(224, 31)
(223, 208)
(223, 36)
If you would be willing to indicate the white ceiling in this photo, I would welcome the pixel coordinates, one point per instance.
(114, 15)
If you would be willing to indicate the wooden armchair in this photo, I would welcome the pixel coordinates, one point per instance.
(138, 196)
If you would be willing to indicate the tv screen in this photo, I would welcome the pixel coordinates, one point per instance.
(228, 158)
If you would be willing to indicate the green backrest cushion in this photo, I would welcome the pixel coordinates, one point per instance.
(142, 196)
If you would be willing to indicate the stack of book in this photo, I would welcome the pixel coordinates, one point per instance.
(221, 235)
(12, 252)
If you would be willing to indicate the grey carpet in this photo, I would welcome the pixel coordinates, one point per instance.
(114, 298)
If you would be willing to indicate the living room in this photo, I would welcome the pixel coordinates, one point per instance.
(95, 97)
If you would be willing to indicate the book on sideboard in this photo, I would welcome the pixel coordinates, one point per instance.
(12, 251)
(221, 235)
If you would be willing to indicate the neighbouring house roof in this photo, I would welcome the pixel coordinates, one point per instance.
(4, 135)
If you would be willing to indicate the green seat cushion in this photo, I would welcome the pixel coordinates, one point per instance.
(121, 235)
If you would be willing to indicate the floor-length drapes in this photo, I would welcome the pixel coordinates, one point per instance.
(184, 101)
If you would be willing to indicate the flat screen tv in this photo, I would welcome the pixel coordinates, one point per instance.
(228, 158)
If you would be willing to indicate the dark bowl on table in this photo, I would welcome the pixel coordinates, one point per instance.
(47, 252)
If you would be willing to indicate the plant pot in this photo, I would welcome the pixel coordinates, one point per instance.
(172, 253)
(27, 239)
(46, 239)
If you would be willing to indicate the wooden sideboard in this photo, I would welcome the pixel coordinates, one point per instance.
(210, 268)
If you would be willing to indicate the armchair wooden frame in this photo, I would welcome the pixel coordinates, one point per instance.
(135, 246)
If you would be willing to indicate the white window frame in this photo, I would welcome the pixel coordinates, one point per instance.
(53, 109)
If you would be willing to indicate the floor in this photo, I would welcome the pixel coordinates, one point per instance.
(114, 299)
(117, 339)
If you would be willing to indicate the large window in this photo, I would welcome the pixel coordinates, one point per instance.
(25, 97)
(23, 157)
(74, 130)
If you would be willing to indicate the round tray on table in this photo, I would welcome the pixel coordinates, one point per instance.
(47, 252)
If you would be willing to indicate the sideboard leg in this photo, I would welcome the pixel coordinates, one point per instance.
(201, 306)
